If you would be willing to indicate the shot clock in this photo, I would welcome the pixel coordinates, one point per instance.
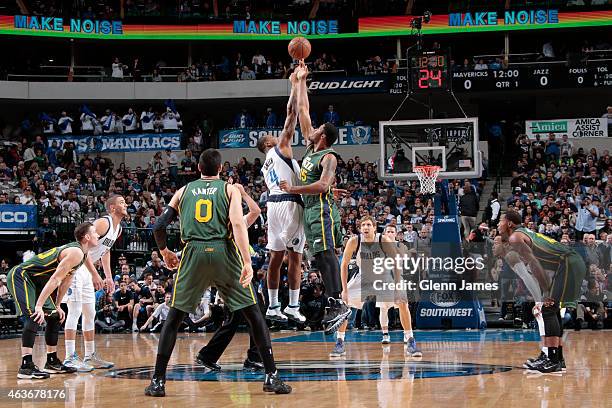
(428, 71)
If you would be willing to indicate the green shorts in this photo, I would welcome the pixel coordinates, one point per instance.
(322, 227)
(567, 281)
(25, 291)
(210, 263)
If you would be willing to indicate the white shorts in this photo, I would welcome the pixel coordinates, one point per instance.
(286, 226)
(354, 294)
(81, 289)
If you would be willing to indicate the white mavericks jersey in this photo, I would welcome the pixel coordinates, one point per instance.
(105, 242)
(278, 167)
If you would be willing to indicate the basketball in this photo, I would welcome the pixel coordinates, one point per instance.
(299, 48)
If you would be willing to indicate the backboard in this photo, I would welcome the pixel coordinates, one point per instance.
(451, 144)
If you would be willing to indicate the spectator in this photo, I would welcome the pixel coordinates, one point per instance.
(106, 320)
(156, 270)
(566, 147)
(492, 211)
(586, 223)
(111, 123)
(468, 205)
(172, 165)
(207, 73)
(591, 307)
(130, 122)
(124, 303)
(331, 116)
(552, 147)
(143, 301)
(270, 118)
(160, 315)
(65, 124)
(480, 66)
(156, 76)
(258, 61)
(88, 123)
(117, 70)
(243, 120)
(147, 119)
(136, 71)
(170, 120)
(247, 74)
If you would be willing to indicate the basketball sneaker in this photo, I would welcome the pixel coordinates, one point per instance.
(293, 313)
(274, 384)
(546, 366)
(31, 371)
(157, 387)
(339, 349)
(97, 362)
(55, 366)
(274, 313)
(412, 349)
(534, 361)
(75, 362)
(335, 314)
(386, 339)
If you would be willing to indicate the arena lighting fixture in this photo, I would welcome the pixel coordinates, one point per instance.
(417, 22)
(51, 59)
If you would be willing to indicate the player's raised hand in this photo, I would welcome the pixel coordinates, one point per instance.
(247, 275)
(170, 258)
(302, 71)
(293, 77)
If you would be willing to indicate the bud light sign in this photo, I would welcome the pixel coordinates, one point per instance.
(229, 139)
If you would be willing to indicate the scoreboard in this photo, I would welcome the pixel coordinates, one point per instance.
(534, 77)
(430, 72)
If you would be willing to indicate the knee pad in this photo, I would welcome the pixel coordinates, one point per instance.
(30, 328)
(552, 328)
(75, 309)
(89, 317)
(52, 330)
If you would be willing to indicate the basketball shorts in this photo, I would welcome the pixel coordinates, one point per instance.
(81, 289)
(210, 263)
(322, 227)
(567, 280)
(25, 291)
(355, 297)
(286, 226)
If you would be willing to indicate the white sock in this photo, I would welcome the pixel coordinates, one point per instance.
(408, 334)
(70, 346)
(273, 297)
(340, 335)
(545, 350)
(89, 348)
(294, 297)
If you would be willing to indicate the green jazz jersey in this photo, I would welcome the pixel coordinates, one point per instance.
(204, 211)
(45, 264)
(546, 249)
(311, 173)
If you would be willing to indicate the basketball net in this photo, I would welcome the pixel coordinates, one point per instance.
(427, 177)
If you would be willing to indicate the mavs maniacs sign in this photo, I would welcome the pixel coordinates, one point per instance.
(245, 138)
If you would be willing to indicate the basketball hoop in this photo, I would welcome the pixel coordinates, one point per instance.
(427, 177)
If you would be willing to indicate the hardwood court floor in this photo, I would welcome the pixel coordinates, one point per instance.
(458, 369)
